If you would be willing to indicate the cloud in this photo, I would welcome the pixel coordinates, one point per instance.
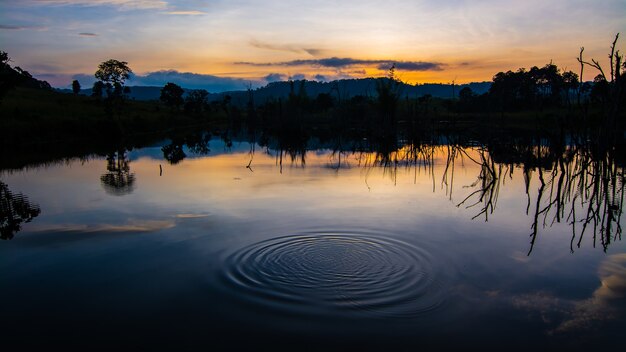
(412, 66)
(297, 77)
(186, 13)
(192, 81)
(19, 28)
(320, 78)
(87, 34)
(338, 63)
(275, 77)
(123, 4)
(285, 47)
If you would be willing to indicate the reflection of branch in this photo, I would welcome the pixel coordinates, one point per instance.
(489, 186)
(534, 226)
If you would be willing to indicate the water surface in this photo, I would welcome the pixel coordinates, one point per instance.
(430, 246)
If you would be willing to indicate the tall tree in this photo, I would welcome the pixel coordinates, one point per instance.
(172, 95)
(76, 87)
(113, 74)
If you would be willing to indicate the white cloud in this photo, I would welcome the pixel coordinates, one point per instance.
(125, 4)
(186, 13)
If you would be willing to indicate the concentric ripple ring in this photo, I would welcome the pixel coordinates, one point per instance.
(336, 273)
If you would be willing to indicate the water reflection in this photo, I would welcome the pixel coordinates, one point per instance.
(118, 180)
(568, 177)
(197, 143)
(348, 274)
(579, 180)
(15, 209)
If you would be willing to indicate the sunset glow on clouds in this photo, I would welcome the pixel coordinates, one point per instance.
(429, 40)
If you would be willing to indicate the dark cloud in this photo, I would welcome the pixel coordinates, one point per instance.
(297, 77)
(213, 84)
(275, 77)
(284, 47)
(19, 28)
(192, 81)
(320, 78)
(338, 63)
(87, 34)
(412, 66)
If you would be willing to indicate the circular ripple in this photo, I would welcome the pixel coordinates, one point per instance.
(336, 273)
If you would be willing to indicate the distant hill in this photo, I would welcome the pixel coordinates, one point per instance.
(343, 89)
(346, 89)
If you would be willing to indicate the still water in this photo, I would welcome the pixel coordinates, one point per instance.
(246, 246)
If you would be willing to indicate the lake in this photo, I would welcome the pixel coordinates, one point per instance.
(254, 244)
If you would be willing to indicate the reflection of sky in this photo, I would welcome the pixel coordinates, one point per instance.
(173, 227)
(470, 39)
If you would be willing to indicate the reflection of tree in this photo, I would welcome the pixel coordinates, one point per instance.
(174, 153)
(578, 179)
(118, 180)
(15, 209)
(580, 183)
(197, 144)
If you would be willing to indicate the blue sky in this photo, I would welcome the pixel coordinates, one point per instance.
(250, 41)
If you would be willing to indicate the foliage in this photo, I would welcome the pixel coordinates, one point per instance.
(537, 87)
(97, 90)
(75, 87)
(388, 90)
(172, 95)
(113, 74)
(196, 101)
(12, 77)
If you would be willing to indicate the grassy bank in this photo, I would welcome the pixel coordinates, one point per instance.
(43, 117)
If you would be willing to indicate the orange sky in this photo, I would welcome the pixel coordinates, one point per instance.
(439, 41)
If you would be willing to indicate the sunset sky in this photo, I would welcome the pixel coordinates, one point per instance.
(223, 45)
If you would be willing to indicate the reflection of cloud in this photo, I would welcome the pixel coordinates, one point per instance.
(547, 305)
(191, 216)
(284, 47)
(87, 34)
(131, 226)
(520, 257)
(339, 62)
(607, 301)
(603, 302)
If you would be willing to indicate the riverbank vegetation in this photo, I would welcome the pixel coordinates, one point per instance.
(545, 98)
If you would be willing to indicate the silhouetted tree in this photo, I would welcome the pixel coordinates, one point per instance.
(612, 88)
(97, 90)
(11, 77)
(113, 74)
(388, 90)
(196, 101)
(172, 95)
(324, 101)
(75, 86)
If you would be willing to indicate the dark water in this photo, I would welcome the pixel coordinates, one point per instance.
(237, 246)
